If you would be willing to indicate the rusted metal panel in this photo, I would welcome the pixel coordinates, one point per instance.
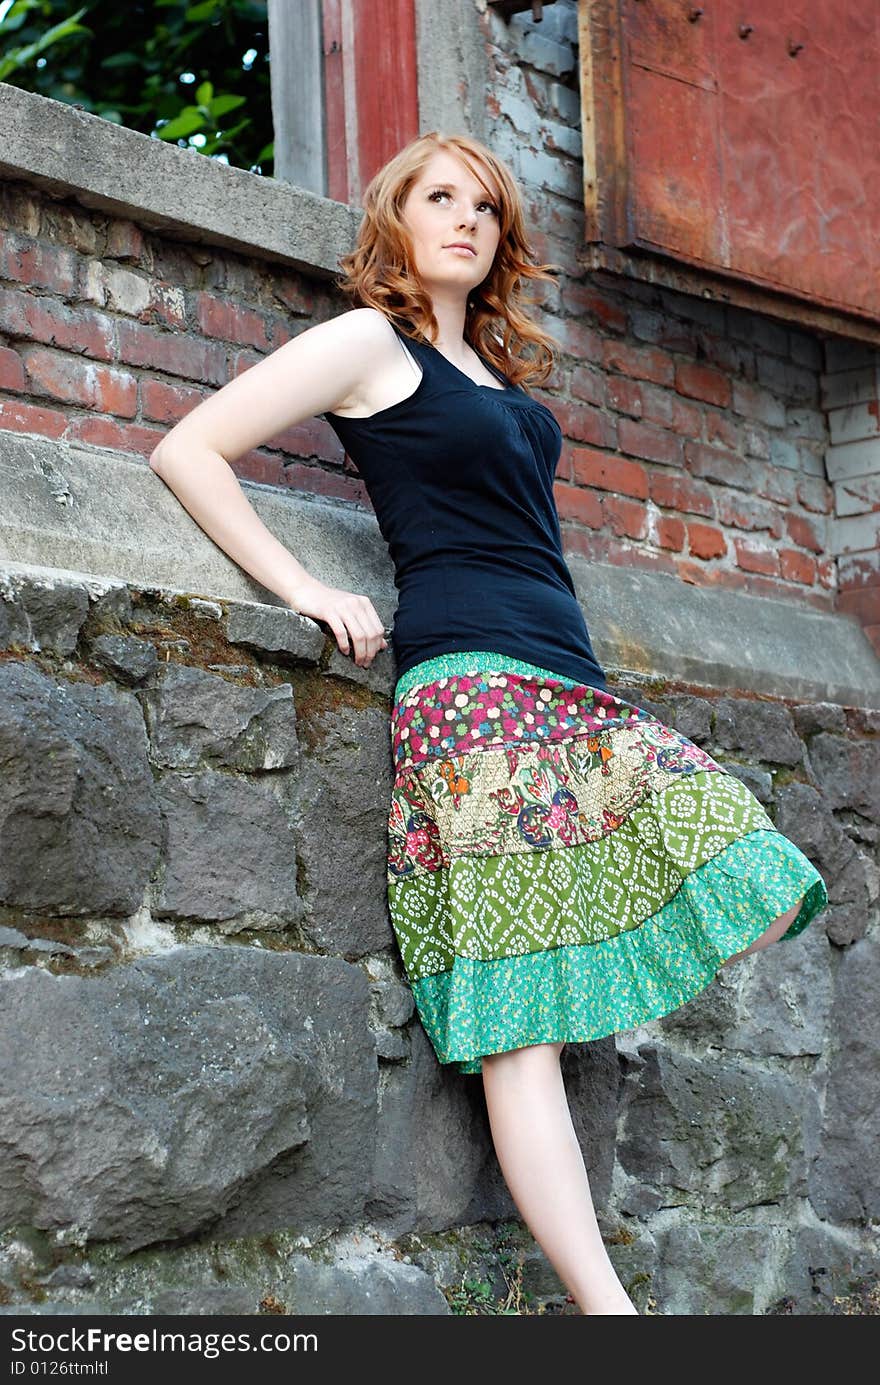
(740, 138)
(370, 89)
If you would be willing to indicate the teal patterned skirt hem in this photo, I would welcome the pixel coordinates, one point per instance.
(579, 993)
(460, 661)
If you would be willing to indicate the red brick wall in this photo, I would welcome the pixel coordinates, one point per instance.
(109, 334)
(693, 444)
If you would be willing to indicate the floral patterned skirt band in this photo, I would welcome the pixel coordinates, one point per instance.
(562, 865)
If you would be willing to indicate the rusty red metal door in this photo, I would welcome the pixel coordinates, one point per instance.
(741, 137)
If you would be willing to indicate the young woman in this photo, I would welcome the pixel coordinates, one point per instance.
(561, 864)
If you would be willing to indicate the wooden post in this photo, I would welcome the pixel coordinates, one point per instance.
(297, 81)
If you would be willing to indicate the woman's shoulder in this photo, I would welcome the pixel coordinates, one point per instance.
(367, 326)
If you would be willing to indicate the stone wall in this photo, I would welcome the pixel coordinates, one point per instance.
(219, 1097)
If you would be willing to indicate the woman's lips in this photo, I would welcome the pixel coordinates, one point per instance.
(462, 250)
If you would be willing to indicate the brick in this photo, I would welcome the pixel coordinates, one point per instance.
(19, 209)
(645, 440)
(309, 438)
(747, 512)
(859, 496)
(584, 298)
(572, 502)
(99, 431)
(704, 311)
(626, 518)
(783, 453)
(787, 380)
(588, 384)
(166, 403)
(754, 556)
(705, 541)
(278, 330)
(230, 322)
(577, 339)
(268, 469)
(814, 494)
(295, 293)
(81, 382)
(827, 572)
(873, 633)
(624, 395)
(795, 566)
(803, 422)
(611, 473)
(720, 428)
(671, 411)
(853, 459)
(125, 240)
(756, 442)
(12, 374)
(582, 422)
(726, 467)
(36, 264)
(313, 480)
(864, 604)
(702, 382)
(172, 352)
(112, 286)
(18, 417)
(778, 486)
(565, 103)
(671, 532)
(857, 569)
(804, 533)
(44, 319)
(678, 492)
(641, 362)
(752, 329)
(759, 404)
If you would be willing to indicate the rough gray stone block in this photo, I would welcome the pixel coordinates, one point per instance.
(213, 1088)
(79, 816)
(197, 718)
(340, 814)
(230, 855)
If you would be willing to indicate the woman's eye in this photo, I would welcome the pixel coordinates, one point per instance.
(442, 192)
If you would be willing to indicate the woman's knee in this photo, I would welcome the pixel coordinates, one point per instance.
(527, 1052)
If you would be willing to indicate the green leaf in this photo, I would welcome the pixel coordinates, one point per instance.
(206, 10)
(204, 93)
(187, 123)
(222, 104)
(21, 57)
(121, 60)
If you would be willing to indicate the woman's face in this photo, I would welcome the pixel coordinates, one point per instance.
(447, 204)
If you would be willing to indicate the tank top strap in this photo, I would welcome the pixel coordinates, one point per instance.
(418, 350)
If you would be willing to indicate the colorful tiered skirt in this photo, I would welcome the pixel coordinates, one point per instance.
(563, 865)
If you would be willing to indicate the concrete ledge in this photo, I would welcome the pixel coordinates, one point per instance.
(117, 170)
(652, 623)
(106, 515)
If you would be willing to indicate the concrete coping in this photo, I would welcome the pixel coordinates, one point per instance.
(83, 511)
(113, 169)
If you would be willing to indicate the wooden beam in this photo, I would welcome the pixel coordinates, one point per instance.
(297, 85)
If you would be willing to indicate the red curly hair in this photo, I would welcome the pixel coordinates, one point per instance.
(379, 272)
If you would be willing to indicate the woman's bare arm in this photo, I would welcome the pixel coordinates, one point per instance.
(322, 368)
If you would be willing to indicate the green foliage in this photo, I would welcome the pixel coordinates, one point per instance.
(194, 74)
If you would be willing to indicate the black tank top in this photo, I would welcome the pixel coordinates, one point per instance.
(460, 477)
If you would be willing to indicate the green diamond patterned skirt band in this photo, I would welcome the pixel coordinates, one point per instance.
(561, 864)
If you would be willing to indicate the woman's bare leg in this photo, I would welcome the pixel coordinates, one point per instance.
(544, 1169)
(779, 926)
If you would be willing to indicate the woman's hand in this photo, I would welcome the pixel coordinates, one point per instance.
(351, 617)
